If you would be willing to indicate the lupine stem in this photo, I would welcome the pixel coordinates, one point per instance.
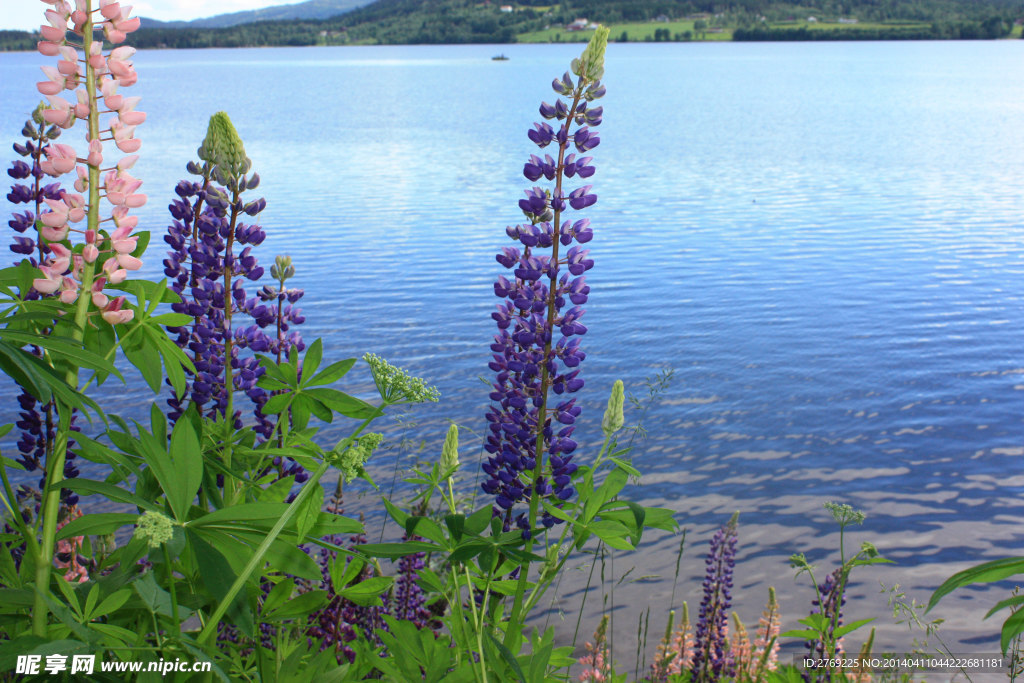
(55, 463)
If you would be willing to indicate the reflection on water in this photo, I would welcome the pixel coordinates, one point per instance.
(823, 241)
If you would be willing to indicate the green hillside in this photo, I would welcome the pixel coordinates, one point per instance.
(470, 21)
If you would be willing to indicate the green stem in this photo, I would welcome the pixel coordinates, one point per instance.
(174, 594)
(55, 463)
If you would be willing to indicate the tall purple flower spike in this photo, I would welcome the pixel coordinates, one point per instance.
(537, 348)
(36, 421)
(710, 651)
(211, 257)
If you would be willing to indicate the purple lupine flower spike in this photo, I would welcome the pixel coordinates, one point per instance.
(710, 658)
(211, 257)
(536, 350)
(830, 606)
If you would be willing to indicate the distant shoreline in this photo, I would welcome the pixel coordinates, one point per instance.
(679, 31)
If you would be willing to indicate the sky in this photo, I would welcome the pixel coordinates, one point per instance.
(27, 15)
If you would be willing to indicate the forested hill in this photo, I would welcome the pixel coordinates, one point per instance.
(492, 21)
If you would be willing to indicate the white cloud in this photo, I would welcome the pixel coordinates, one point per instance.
(26, 15)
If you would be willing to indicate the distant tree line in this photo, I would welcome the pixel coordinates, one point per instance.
(472, 21)
(965, 30)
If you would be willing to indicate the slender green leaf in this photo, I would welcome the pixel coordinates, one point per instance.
(988, 572)
(99, 524)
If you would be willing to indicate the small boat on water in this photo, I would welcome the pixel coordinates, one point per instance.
(499, 58)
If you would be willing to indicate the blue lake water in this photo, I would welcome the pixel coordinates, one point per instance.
(824, 241)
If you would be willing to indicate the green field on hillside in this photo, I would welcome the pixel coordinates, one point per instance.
(635, 32)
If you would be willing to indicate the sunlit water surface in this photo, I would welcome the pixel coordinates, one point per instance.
(822, 240)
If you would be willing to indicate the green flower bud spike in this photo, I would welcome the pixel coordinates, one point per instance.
(613, 417)
(590, 64)
(155, 528)
(282, 269)
(450, 451)
(223, 148)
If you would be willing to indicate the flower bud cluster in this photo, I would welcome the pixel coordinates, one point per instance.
(94, 78)
(537, 347)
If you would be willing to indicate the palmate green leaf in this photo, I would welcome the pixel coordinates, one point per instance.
(988, 572)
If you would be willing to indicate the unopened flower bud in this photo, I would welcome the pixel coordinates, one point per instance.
(613, 417)
(223, 148)
(450, 451)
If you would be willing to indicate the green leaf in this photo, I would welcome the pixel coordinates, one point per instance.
(456, 524)
(172, 319)
(331, 374)
(109, 491)
(805, 634)
(311, 361)
(111, 603)
(629, 469)
(277, 404)
(69, 350)
(342, 403)
(1012, 627)
(1003, 604)
(182, 481)
(299, 607)
(218, 577)
(99, 524)
(367, 593)
(614, 534)
(988, 572)
(479, 520)
(395, 550)
(508, 657)
(147, 359)
(848, 628)
(344, 572)
(306, 516)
